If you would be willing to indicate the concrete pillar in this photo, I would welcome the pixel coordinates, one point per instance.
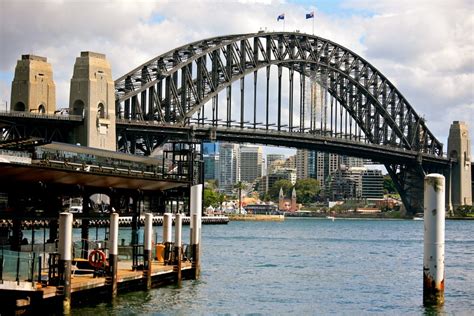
(167, 230)
(147, 248)
(33, 88)
(459, 148)
(92, 95)
(113, 252)
(434, 221)
(65, 257)
(195, 227)
(178, 225)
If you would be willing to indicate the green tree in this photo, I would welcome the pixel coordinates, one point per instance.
(388, 185)
(307, 190)
(211, 197)
(274, 191)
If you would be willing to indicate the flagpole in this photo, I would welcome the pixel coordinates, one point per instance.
(313, 23)
(283, 25)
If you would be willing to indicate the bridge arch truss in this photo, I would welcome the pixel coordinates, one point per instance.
(193, 85)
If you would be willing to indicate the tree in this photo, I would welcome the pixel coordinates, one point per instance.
(307, 190)
(274, 191)
(388, 185)
(211, 197)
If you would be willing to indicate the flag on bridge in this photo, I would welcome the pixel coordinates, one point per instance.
(281, 17)
(310, 15)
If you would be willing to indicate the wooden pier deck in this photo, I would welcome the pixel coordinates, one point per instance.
(86, 286)
(82, 282)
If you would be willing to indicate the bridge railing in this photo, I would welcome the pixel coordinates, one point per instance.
(58, 116)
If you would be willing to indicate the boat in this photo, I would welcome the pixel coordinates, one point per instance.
(331, 218)
(418, 217)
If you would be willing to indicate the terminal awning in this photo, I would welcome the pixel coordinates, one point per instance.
(12, 172)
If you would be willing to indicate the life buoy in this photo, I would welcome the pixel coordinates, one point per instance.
(97, 258)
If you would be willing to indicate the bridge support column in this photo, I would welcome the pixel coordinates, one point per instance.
(65, 257)
(433, 258)
(113, 252)
(147, 241)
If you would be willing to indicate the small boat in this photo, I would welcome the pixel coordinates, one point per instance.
(331, 218)
(418, 217)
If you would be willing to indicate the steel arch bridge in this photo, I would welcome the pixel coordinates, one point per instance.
(315, 94)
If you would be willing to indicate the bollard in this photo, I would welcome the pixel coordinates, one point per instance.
(113, 252)
(178, 224)
(195, 227)
(147, 241)
(65, 257)
(434, 222)
(167, 241)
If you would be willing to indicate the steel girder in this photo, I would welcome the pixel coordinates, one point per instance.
(172, 90)
(172, 87)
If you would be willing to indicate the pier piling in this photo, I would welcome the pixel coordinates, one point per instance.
(178, 225)
(113, 252)
(65, 257)
(434, 222)
(147, 240)
(195, 227)
(167, 224)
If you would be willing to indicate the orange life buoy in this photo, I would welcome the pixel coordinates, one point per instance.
(97, 258)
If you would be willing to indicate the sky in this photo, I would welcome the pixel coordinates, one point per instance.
(424, 47)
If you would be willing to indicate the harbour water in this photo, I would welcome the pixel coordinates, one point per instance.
(311, 267)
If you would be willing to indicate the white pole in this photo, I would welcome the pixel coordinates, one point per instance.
(113, 251)
(147, 242)
(178, 225)
(65, 236)
(167, 224)
(65, 256)
(148, 238)
(196, 208)
(434, 221)
(195, 230)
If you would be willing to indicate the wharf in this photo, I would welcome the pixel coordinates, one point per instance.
(256, 217)
(87, 287)
(104, 221)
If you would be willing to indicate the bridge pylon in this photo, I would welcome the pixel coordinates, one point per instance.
(33, 88)
(92, 95)
(459, 182)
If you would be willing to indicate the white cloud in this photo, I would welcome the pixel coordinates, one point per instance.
(425, 47)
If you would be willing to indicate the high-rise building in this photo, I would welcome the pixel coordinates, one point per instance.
(228, 174)
(302, 163)
(211, 166)
(210, 148)
(250, 163)
(356, 182)
(325, 165)
(271, 158)
(372, 184)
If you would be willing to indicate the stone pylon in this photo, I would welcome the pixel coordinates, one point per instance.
(33, 88)
(92, 96)
(459, 188)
